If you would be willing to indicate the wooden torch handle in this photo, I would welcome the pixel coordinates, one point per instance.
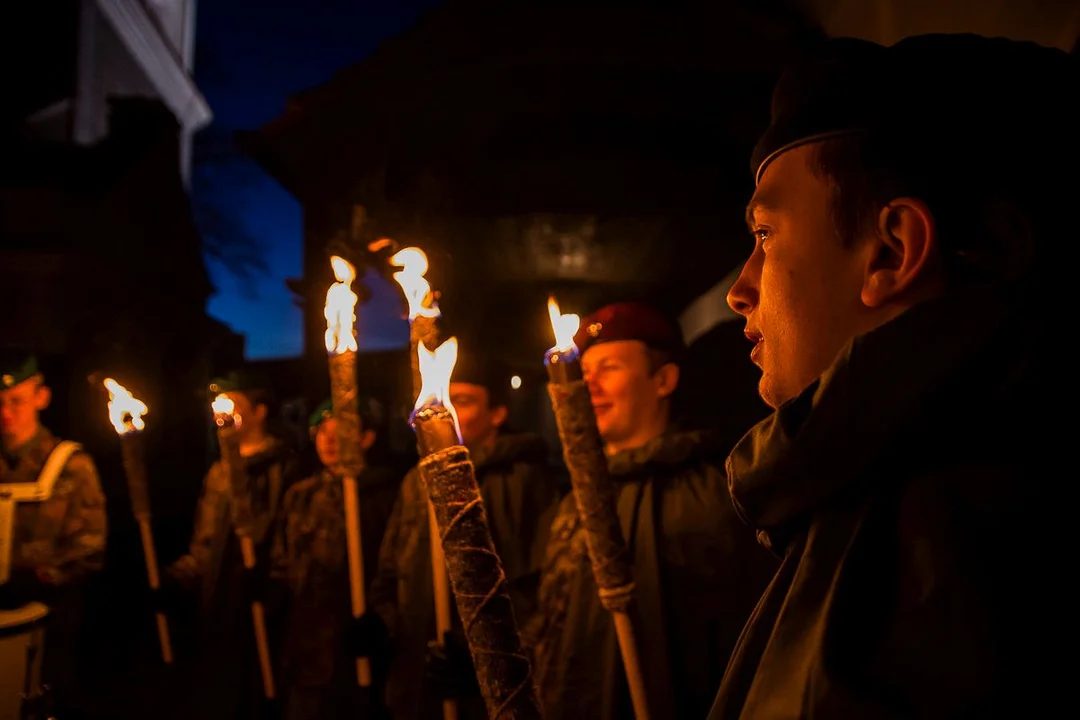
(258, 619)
(356, 570)
(154, 578)
(442, 596)
(624, 631)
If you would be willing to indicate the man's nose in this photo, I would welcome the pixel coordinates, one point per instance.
(743, 295)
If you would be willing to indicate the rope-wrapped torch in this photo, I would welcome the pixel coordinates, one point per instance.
(424, 316)
(341, 350)
(594, 493)
(503, 671)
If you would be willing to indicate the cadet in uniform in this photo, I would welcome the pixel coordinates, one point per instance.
(311, 555)
(52, 524)
(697, 568)
(230, 683)
(520, 499)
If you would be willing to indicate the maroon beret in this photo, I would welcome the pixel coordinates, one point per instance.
(631, 321)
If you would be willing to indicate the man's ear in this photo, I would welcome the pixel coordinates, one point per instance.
(367, 439)
(42, 397)
(903, 254)
(666, 379)
(498, 415)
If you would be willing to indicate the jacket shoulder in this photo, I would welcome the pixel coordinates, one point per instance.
(297, 490)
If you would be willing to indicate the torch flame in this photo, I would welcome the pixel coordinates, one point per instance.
(435, 371)
(125, 411)
(340, 310)
(564, 327)
(414, 263)
(224, 405)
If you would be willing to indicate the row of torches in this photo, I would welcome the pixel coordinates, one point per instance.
(462, 551)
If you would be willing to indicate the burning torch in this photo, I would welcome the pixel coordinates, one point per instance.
(341, 349)
(228, 427)
(594, 493)
(125, 413)
(424, 332)
(503, 671)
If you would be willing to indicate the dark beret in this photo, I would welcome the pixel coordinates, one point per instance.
(477, 366)
(1006, 105)
(16, 366)
(631, 321)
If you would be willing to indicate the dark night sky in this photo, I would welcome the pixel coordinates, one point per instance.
(251, 55)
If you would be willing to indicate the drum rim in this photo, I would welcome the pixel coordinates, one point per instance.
(28, 625)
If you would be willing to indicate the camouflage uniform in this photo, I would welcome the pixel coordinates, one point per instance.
(58, 544)
(269, 472)
(697, 571)
(231, 682)
(310, 554)
(519, 501)
(62, 538)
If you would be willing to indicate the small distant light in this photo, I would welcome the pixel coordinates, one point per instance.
(515, 382)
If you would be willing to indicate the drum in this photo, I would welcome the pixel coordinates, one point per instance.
(22, 646)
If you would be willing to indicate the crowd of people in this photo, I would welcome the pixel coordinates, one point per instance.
(885, 544)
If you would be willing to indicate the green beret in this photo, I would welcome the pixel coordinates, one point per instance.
(325, 411)
(16, 367)
(239, 381)
(371, 412)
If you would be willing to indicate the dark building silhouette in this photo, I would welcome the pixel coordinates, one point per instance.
(594, 150)
(103, 273)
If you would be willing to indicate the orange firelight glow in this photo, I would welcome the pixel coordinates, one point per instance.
(224, 407)
(563, 326)
(125, 410)
(414, 264)
(435, 371)
(340, 309)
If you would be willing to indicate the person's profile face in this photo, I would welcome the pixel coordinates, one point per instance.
(800, 288)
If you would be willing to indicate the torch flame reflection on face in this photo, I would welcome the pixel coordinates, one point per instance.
(125, 411)
(435, 371)
(414, 263)
(340, 309)
(564, 327)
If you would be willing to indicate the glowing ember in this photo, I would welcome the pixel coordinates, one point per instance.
(224, 407)
(414, 263)
(340, 310)
(564, 327)
(435, 371)
(125, 411)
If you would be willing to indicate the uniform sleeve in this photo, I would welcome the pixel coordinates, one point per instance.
(213, 503)
(281, 547)
(553, 583)
(78, 506)
(384, 598)
(521, 517)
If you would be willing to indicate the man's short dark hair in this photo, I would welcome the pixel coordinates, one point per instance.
(660, 358)
(981, 230)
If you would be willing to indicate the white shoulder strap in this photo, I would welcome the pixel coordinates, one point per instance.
(39, 491)
(54, 466)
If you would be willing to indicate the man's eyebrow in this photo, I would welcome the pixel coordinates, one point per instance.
(760, 201)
